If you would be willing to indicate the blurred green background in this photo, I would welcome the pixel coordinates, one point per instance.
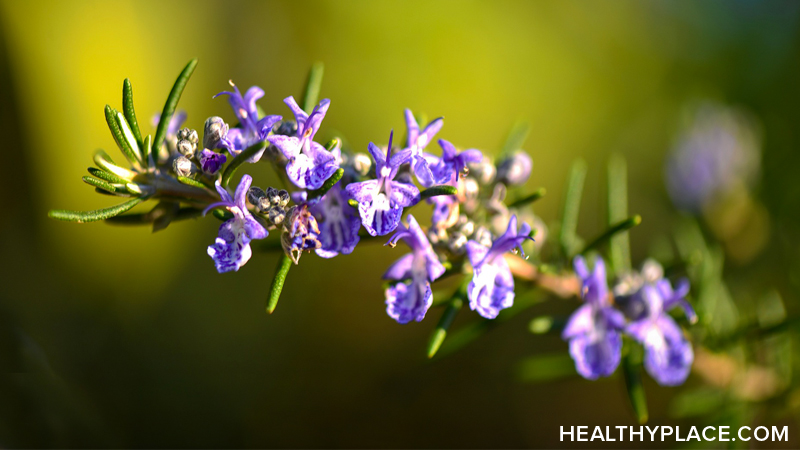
(114, 336)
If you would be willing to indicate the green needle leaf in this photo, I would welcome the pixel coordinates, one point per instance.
(222, 214)
(107, 176)
(632, 365)
(284, 264)
(119, 138)
(626, 224)
(93, 216)
(313, 84)
(620, 248)
(329, 183)
(445, 321)
(171, 104)
(240, 159)
(192, 182)
(433, 191)
(148, 217)
(130, 114)
(572, 205)
(104, 161)
(536, 195)
(104, 185)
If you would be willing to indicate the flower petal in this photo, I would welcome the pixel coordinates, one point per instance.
(407, 302)
(363, 191)
(288, 145)
(400, 269)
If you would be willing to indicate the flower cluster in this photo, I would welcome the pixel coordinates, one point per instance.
(595, 330)
(330, 192)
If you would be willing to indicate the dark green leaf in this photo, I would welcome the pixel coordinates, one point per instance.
(313, 84)
(148, 218)
(626, 224)
(284, 264)
(171, 104)
(107, 176)
(536, 195)
(92, 216)
(453, 307)
(632, 369)
(191, 182)
(105, 185)
(571, 208)
(438, 190)
(222, 214)
(329, 183)
(130, 115)
(240, 159)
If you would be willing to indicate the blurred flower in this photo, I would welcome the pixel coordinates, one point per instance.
(310, 164)
(381, 201)
(718, 152)
(338, 221)
(668, 354)
(593, 330)
(492, 287)
(407, 301)
(417, 141)
(515, 170)
(251, 130)
(232, 247)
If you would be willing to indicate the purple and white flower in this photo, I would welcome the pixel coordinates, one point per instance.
(452, 163)
(668, 354)
(417, 141)
(410, 300)
(210, 161)
(381, 201)
(232, 247)
(310, 164)
(593, 330)
(492, 287)
(251, 130)
(338, 223)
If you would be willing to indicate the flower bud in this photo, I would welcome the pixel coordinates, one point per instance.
(362, 163)
(284, 198)
(183, 167)
(484, 171)
(273, 196)
(457, 243)
(186, 148)
(516, 169)
(257, 198)
(189, 135)
(214, 131)
(286, 128)
(483, 236)
(277, 215)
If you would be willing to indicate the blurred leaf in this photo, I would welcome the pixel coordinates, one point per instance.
(619, 248)
(697, 402)
(448, 315)
(353, 203)
(434, 191)
(536, 195)
(547, 324)
(130, 115)
(329, 183)
(222, 214)
(284, 264)
(240, 159)
(770, 309)
(171, 104)
(546, 368)
(515, 139)
(92, 216)
(571, 208)
(313, 85)
(611, 232)
(148, 218)
(632, 369)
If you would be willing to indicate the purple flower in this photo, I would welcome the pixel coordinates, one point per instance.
(492, 287)
(339, 223)
(593, 330)
(453, 162)
(381, 201)
(300, 232)
(211, 161)
(309, 163)
(410, 300)
(668, 354)
(417, 141)
(232, 247)
(251, 130)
